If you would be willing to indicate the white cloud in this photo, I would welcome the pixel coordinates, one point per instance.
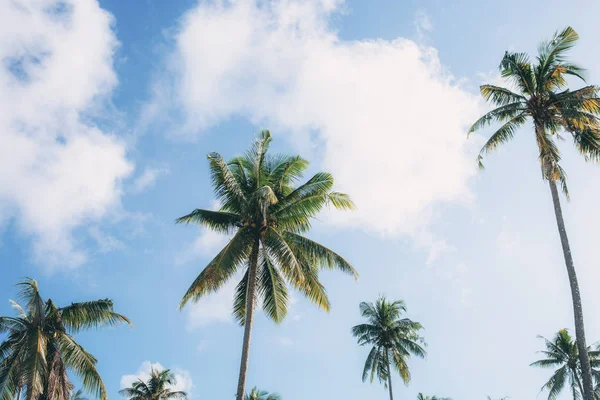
(285, 341)
(385, 116)
(148, 178)
(58, 171)
(182, 376)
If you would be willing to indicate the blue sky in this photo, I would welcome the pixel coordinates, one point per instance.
(109, 109)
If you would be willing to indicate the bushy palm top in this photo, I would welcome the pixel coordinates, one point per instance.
(562, 353)
(158, 387)
(267, 213)
(40, 350)
(256, 394)
(394, 339)
(541, 95)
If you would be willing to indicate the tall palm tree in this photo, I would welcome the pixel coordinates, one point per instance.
(420, 396)
(158, 387)
(267, 213)
(393, 339)
(562, 353)
(542, 97)
(256, 394)
(40, 350)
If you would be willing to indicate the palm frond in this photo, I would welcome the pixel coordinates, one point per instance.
(91, 314)
(218, 221)
(221, 268)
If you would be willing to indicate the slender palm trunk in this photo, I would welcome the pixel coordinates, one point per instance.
(389, 367)
(586, 370)
(250, 304)
(19, 393)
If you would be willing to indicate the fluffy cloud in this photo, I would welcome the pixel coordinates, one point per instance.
(182, 376)
(384, 117)
(57, 169)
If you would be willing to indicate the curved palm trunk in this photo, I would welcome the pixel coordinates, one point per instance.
(586, 370)
(250, 304)
(389, 366)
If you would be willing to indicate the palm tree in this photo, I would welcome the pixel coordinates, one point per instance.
(542, 96)
(562, 352)
(267, 215)
(39, 349)
(158, 387)
(393, 339)
(256, 394)
(420, 396)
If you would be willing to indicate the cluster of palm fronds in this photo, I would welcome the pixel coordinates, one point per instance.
(40, 350)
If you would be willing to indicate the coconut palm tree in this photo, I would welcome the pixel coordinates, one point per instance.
(267, 213)
(394, 340)
(256, 394)
(562, 353)
(158, 387)
(541, 96)
(420, 396)
(40, 350)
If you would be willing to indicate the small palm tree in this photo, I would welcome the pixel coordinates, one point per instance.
(39, 349)
(256, 394)
(267, 214)
(420, 396)
(562, 353)
(542, 96)
(393, 339)
(158, 387)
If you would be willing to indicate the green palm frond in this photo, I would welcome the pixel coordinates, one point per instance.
(218, 221)
(91, 314)
(221, 268)
(273, 290)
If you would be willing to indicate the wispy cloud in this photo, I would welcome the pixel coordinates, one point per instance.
(148, 178)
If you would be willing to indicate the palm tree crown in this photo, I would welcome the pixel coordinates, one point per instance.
(562, 353)
(394, 339)
(256, 394)
(541, 94)
(39, 349)
(267, 213)
(158, 387)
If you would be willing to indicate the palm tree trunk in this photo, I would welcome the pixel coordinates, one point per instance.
(586, 370)
(250, 304)
(19, 393)
(389, 366)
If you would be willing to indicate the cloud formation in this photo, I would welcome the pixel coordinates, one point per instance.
(384, 117)
(58, 170)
